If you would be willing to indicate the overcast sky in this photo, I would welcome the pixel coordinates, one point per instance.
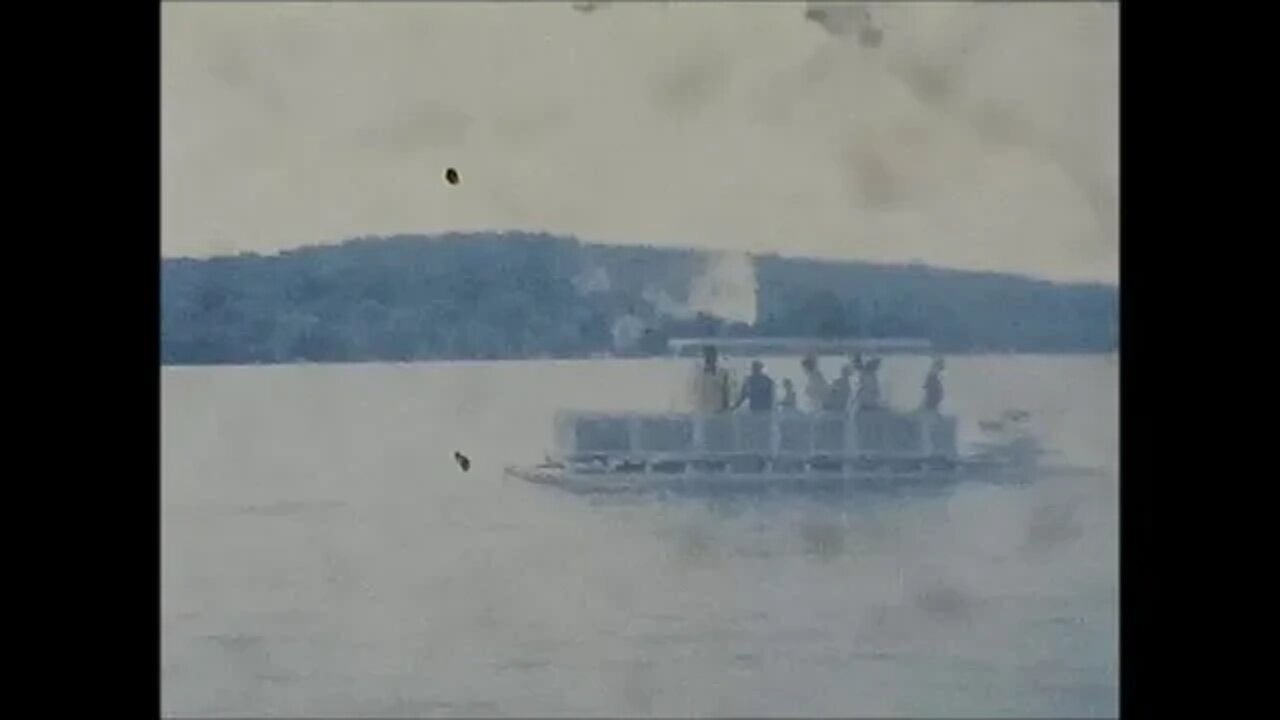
(976, 135)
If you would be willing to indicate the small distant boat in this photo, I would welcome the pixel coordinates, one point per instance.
(780, 450)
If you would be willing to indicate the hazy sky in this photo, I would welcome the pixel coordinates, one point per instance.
(976, 135)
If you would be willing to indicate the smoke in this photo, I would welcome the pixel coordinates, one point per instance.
(666, 306)
(627, 331)
(592, 280)
(726, 288)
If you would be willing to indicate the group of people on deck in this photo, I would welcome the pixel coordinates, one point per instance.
(713, 387)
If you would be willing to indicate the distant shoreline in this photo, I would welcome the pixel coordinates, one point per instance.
(518, 296)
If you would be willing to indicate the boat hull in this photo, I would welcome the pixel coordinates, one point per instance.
(845, 480)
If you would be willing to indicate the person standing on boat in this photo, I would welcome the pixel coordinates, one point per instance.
(841, 392)
(815, 387)
(710, 384)
(868, 396)
(933, 386)
(788, 401)
(757, 390)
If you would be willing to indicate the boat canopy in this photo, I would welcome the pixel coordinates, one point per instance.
(780, 347)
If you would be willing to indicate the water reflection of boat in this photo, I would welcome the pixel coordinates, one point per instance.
(881, 448)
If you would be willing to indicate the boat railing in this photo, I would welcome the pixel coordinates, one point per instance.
(653, 437)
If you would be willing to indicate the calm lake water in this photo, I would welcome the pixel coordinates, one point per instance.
(323, 555)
